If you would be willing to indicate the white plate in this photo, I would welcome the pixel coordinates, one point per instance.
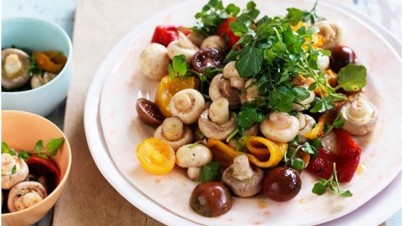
(122, 131)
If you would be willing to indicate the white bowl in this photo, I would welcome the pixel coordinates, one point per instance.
(37, 34)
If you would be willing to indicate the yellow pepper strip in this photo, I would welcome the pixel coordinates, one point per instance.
(274, 151)
(225, 154)
(319, 129)
(50, 61)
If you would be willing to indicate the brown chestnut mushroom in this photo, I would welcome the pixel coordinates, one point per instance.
(208, 57)
(14, 68)
(211, 199)
(241, 178)
(148, 112)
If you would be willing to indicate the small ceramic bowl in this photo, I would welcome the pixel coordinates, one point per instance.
(37, 34)
(21, 130)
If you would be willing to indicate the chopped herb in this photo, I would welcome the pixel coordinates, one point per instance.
(54, 145)
(210, 172)
(24, 155)
(14, 169)
(178, 67)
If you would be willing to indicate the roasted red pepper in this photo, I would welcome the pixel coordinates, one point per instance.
(224, 30)
(346, 158)
(43, 167)
(165, 34)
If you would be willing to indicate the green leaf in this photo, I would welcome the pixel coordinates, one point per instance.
(24, 155)
(54, 145)
(319, 188)
(42, 155)
(232, 9)
(294, 15)
(248, 117)
(297, 163)
(338, 121)
(179, 66)
(250, 61)
(281, 99)
(308, 148)
(210, 172)
(346, 194)
(14, 169)
(238, 28)
(322, 104)
(4, 147)
(301, 93)
(352, 78)
(39, 146)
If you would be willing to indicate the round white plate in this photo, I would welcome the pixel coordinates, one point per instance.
(119, 82)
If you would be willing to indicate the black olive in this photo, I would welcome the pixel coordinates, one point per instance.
(208, 57)
(282, 184)
(341, 57)
(148, 112)
(211, 199)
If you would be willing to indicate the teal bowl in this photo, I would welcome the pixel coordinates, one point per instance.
(37, 34)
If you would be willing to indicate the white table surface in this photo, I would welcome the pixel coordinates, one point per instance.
(385, 12)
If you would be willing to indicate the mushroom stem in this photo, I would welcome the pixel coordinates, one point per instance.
(219, 111)
(242, 169)
(182, 101)
(172, 128)
(12, 65)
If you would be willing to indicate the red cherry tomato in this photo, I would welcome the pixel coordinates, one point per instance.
(165, 34)
(224, 31)
(42, 167)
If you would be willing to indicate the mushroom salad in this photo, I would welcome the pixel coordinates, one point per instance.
(245, 103)
(24, 69)
(28, 177)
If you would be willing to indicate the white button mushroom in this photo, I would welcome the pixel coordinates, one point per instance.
(40, 80)
(187, 105)
(215, 42)
(13, 170)
(196, 38)
(14, 68)
(304, 104)
(25, 194)
(251, 91)
(231, 73)
(306, 124)
(359, 117)
(154, 61)
(221, 87)
(174, 133)
(333, 33)
(193, 157)
(241, 178)
(182, 46)
(217, 122)
(323, 61)
(280, 127)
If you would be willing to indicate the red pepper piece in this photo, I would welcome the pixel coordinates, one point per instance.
(346, 158)
(165, 34)
(44, 166)
(225, 31)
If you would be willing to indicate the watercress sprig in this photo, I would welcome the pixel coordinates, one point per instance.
(332, 183)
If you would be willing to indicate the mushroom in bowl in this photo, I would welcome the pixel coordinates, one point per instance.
(39, 148)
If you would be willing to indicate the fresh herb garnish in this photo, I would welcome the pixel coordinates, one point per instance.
(51, 149)
(352, 78)
(210, 172)
(178, 67)
(332, 183)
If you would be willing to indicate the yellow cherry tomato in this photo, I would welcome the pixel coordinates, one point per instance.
(156, 156)
(168, 87)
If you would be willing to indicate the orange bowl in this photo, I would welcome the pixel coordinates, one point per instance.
(21, 130)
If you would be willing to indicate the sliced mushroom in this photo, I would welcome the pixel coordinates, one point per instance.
(306, 124)
(182, 46)
(14, 68)
(359, 116)
(187, 105)
(13, 170)
(217, 122)
(215, 42)
(40, 80)
(193, 157)
(154, 61)
(333, 33)
(304, 104)
(25, 194)
(251, 91)
(174, 133)
(221, 87)
(280, 127)
(241, 178)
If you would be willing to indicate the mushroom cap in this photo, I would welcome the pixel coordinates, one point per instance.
(246, 187)
(154, 61)
(25, 194)
(192, 155)
(18, 79)
(280, 127)
(186, 137)
(187, 105)
(359, 116)
(221, 87)
(13, 170)
(182, 46)
(214, 130)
